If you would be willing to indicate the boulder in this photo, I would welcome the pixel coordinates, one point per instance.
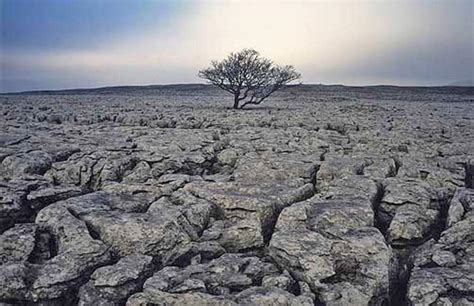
(17, 243)
(112, 285)
(35, 162)
(331, 246)
(442, 270)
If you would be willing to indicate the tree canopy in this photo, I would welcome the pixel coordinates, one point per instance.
(250, 77)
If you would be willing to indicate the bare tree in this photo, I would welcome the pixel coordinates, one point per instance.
(248, 76)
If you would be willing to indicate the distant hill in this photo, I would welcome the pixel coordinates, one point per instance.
(116, 89)
(205, 89)
(463, 83)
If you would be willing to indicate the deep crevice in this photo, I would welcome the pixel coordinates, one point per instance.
(400, 276)
(400, 269)
(92, 232)
(440, 225)
(379, 221)
(269, 228)
(469, 175)
(46, 247)
(398, 164)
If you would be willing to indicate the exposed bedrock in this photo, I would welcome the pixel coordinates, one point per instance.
(22, 198)
(249, 211)
(35, 162)
(232, 279)
(331, 244)
(112, 285)
(64, 261)
(164, 196)
(443, 271)
(411, 210)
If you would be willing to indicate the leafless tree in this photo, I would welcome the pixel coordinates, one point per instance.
(248, 76)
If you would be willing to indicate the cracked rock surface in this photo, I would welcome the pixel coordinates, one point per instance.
(162, 195)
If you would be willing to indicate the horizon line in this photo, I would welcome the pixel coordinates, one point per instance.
(208, 84)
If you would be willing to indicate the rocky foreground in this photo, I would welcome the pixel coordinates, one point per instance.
(162, 195)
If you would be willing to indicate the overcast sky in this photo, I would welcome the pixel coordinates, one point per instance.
(53, 44)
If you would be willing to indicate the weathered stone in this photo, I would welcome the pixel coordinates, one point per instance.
(233, 271)
(13, 206)
(342, 255)
(462, 201)
(229, 273)
(410, 210)
(18, 243)
(411, 223)
(127, 233)
(228, 157)
(249, 212)
(339, 166)
(164, 298)
(78, 254)
(36, 162)
(42, 197)
(308, 194)
(442, 270)
(112, 285)
(283, 281)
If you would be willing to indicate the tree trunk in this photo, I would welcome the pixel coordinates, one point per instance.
(236, 102)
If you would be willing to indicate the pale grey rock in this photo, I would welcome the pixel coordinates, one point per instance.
(443, 272)
(112, 285)
(128, 268)
(380, 168)
(418, 167)
(249, 212)
(339, 166)
(128, 233)
(199, 251)
(139, 174)
(190, 285)
(78, 254)
(352, 186)
(410, 210)
(173, 173)
(18, 243)
(411, 223)
(165, 230)
(281, 168)
(42, 197)
(13, 281)
(91, 170)
(213, 232)
(283, 281)
(67, 270)
(462, 201)
(232, 271)
(35, 162)
(231, 279)
(342, 254)
(13, 206)
(403, 191)
(173, 299)
(99, 201)
(270, 296)
(228, 157)
(444, 258)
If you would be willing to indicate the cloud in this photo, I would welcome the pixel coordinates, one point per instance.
(329, 41)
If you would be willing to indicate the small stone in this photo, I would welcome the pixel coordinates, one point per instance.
(228, 157)
(190, 285)
(444, 258)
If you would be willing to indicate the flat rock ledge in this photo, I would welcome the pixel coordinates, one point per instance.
(336, 196)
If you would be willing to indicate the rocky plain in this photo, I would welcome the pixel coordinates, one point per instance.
(163, 195)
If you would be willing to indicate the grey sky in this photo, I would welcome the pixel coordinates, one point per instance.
(52, 44)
